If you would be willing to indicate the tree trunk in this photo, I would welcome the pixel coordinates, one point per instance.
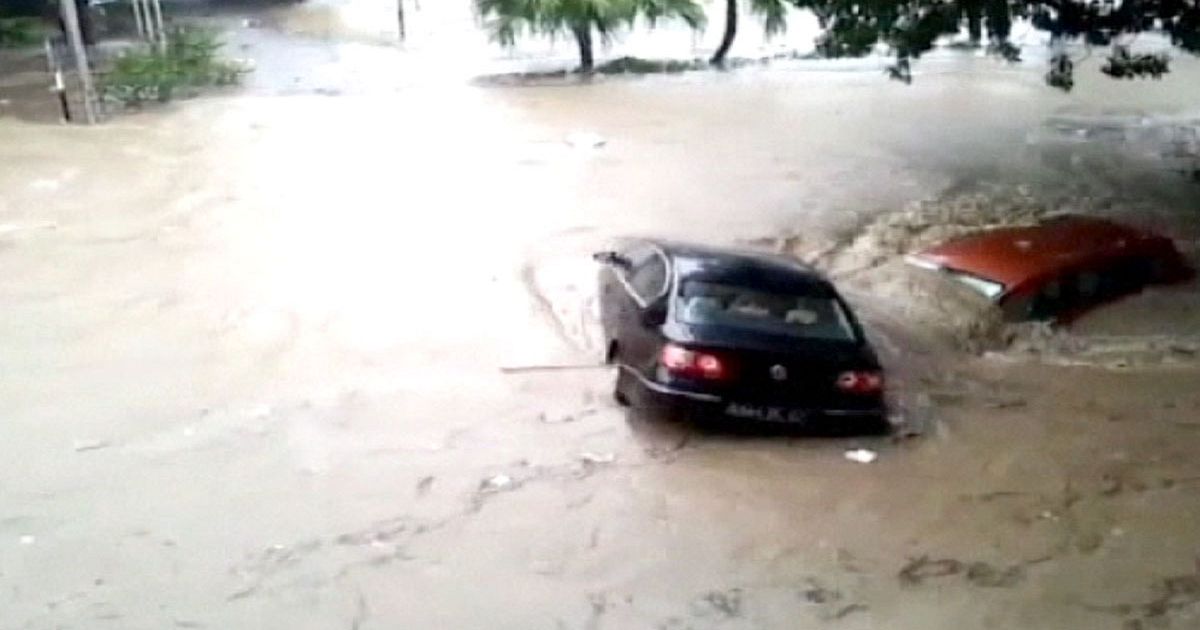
(87, 26)
(731, 19)
(400, 18)
(999, 20)
(974, 14)
(583, 37)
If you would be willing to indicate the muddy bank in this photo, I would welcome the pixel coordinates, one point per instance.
(632, 66)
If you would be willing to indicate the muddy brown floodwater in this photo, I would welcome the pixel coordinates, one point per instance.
(259, 349)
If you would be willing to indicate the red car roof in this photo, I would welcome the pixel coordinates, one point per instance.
(1015, 256)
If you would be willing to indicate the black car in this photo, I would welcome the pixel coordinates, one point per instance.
(753, 337)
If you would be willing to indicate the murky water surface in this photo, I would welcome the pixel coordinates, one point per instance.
(260, 349)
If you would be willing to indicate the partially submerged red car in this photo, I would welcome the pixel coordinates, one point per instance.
(1058, 269)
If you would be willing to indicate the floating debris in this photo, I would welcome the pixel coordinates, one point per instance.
(817, 593)
(14, 228)
(986, 575)
(518, 369)
(920, 569)
(846, 611)
(977, 573)
(89, 445)
(585, 140)
(598, 458)
(497, 483)
(861, 455)
(1006, 403)
(726, 603)
(566, 417)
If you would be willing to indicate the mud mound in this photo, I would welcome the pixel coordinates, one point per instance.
(929, 222)
(916, 308)
(917, 305)
(926, 223)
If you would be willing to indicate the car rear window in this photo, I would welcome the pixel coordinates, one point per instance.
(813, 315)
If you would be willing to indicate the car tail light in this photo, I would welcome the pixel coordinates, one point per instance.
(681, 361)
(860, 382)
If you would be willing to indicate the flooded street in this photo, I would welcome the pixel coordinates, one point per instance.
(273, 356)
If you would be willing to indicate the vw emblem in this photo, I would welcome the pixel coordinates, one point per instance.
(778, 372)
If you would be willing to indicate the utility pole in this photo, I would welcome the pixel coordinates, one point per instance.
(75, 38)
(138, 20)
(400, 18)
(147, 15)
(158, 21)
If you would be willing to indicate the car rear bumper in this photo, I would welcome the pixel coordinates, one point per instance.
(754, 411)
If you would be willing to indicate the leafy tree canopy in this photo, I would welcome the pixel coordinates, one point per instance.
(507, 19)
(910, 28)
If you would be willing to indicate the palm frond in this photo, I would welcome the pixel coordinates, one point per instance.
(505, 20)
(690, 12)
(773, 14)
(508, 19)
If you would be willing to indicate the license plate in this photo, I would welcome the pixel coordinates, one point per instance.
(765, 414)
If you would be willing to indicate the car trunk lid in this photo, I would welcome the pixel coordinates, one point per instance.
(774, 369)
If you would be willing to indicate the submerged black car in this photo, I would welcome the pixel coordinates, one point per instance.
(752, 337)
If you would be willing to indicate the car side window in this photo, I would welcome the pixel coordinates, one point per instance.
(1050, 301)
(649, 279)
(1085, 289)
(1088, 286)
(1125, 277)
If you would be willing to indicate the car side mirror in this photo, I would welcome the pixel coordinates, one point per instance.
(612, 259)
(655, 314)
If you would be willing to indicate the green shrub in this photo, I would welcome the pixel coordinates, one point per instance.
(18, 32)
(150, 73)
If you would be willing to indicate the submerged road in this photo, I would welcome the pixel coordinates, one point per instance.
(255, 352)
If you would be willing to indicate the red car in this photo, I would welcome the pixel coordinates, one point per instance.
(1059, 269)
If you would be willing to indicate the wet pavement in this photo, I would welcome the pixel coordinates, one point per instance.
(272, 361)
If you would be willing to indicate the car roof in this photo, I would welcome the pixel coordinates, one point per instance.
(1018, 255)
(690, 259)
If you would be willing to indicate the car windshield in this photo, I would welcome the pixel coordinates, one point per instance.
(816, 315)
